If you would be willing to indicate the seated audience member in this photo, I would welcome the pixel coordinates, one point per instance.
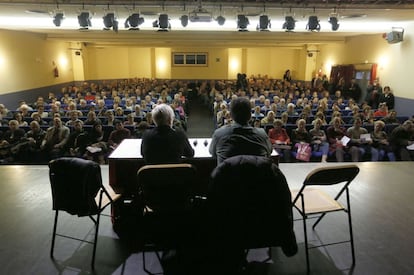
(163, 143)
(239, 138)
(387, 97)
(138, 113)
(280, 140)
(268, 119)
(300, 134)
(335, 133)
(118, 134)
(359, 146)
(77, 141)
(9, 140)
(391, 118)
(55, 139)
(25, 110)
(382, 110)
(110, 119)
(141, 128)
(319, 139)
(73, 118)
(41, 112)
(4, 113)
(400, 138)
(91, 119)
(20, 121)
(97, 146)
(30, 148)
(380, 145)
(257, 113)
(130, 120)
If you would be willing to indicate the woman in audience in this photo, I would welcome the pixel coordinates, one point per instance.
(19, 118)
(380, 144)
(319, 139)
(268, 119)
(280, 140)
(335, 133)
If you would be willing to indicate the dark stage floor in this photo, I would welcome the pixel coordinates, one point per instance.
(381, 198)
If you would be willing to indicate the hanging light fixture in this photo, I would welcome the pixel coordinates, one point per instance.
(313, 23)
(110, 21)
(133, 21)
(242, 22)
(290, 23)
(264, 23)
(84, 19)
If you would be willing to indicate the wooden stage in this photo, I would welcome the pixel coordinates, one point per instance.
(383, 219)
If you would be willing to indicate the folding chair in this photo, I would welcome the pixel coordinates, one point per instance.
(312, 202)
(78, 190)
(166, 191)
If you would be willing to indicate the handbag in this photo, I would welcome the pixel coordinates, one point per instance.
(304, 152)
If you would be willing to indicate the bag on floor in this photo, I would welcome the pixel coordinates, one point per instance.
(304, 152)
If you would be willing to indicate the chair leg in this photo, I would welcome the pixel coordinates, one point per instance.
(318, 220)
(305, 233)
(54, 234)
(351, 234)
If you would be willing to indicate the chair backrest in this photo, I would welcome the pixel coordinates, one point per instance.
(249, 204)
(75, 183)
(166, 187)
(332, 175)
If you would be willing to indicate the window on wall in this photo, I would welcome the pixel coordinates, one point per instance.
(189, 59)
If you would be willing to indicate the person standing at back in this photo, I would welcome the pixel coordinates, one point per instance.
(239, 138)
(163, 143)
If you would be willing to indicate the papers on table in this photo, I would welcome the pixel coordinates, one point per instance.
(410, 147)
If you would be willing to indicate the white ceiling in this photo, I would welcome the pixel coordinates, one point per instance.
(355, 18)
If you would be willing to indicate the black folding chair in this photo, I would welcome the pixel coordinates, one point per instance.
(312, 202)
(78, 190)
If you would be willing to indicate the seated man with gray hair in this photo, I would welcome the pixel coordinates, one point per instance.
(163, 143)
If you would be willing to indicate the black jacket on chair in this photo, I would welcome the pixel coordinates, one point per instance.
(75, 183)
(249, 204)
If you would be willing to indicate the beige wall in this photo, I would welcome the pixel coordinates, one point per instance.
(395, 61)
(26, 61)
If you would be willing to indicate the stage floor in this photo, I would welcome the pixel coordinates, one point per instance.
(382, 211)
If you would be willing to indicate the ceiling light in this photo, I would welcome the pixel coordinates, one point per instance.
(58, 18)
(84, 19)
(264, 23)
(220, 20)
(184, 20)
(163, 23)
(289, 24)
(133, 21)
(313, 23)
(110, 21)
(334, 22)
(242, 22)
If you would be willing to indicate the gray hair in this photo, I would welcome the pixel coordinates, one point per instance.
(163, 114)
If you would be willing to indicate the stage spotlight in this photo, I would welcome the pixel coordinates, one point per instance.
(184, 20)
(221, 20)
(133, 21)
(313, 23)
(110, 21)
(289, 24)
(334, 22)
(84, 19)
(163, 23)
(264, 23)
(58, 18)
(242, 22)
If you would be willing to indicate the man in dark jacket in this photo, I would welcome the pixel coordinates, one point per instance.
(239, 138)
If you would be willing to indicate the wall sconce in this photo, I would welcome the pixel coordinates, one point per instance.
(133, 21)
